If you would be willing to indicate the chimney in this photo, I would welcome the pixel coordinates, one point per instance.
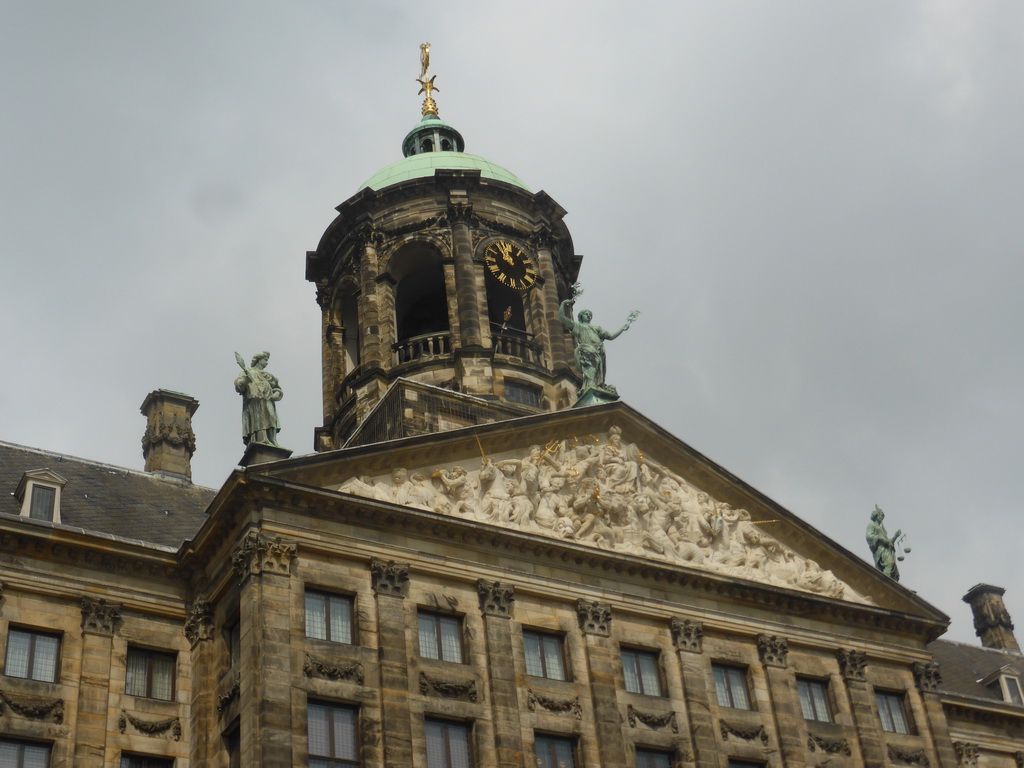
(169, 441)
(991, 620)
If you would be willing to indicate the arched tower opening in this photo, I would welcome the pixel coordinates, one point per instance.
(421, 304)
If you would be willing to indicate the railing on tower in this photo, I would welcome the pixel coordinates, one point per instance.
(419, 347)
(515, 344)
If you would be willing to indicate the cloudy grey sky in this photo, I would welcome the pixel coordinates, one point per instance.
(816, 206)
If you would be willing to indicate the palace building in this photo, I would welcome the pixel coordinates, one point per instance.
(467, 570)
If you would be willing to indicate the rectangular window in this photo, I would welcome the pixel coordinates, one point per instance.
(731, 686)
(814, 699)
(555, 752)
(448, 745)
(1013, 690)
(32, 655)
(640, 669)
(20, 754)
(145, 761)
(43, 501)
(150, 674)
(440, 636)
(544, 657)
(332, 735)
(647, 758)
(329, 617)
(892, 712)
(517, 392)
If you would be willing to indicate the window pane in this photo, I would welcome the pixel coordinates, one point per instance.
(316, 611)
(554, 752)
(447, 745)
(553, 663)
(44, 662)
(428, 636)
(341, 619)
(1014, 690)
(814, 700)
(649, 682)
(43, 500)
(344, 732)
(14, 754)
(319, 735)
(629, 672)
(163, 677)
(891, 713)
(451, 638)
(18, 643)
(532, 648)
(36, 756)
(648, 759)
(136, 673)
(738, 688)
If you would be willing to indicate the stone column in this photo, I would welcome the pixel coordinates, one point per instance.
(99, 622)
(688, 637)
(496, 601)
(199, 632)
(851, 667)
(265, 674)
(553, 332)
(459, 212)
(330, 353)
(774, 652)
(372, 321)
(602, 662)
(391, 586)
(928, 679)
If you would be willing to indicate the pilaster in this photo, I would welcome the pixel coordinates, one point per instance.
(852, 666)
(928, 678)
(100, 620)
(470, 313)
(391, 586)
(552, 328)
(265, 675)
(199, 632)
(496, 602)
(773, 652)
(688, 637)
(602, 661)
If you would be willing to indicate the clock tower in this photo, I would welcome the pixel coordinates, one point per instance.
(439, 284)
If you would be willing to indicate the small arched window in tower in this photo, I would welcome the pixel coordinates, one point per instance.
(446, 146)
(428, 145)
(346, 315)
(421, 305)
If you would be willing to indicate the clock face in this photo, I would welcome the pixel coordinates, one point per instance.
(510, 265)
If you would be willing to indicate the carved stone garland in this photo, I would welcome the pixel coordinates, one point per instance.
(99, 616)
(653, 720)
(571, 705)
(451, 689)
(828, 746)
(351, 671)
(687, 635)
(772, 650)
(225, 699)
(851, 664)
(150, 727)
(496, 599)
(389, 578)
(909, 756)
(34, 709)
(746, 734)
(927, 675)
(595, 618)
(257, 555)
(199, 622)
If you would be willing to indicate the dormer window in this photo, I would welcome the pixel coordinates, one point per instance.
(1005, 682)
(39, 493)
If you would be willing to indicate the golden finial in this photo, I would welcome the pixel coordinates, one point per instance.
(427, 83)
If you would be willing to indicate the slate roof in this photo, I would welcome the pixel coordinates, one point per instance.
(963, 665)
(107, 499)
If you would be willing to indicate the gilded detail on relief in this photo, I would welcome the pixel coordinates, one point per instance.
(606, 493)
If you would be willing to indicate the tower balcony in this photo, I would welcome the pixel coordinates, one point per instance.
(425, 346)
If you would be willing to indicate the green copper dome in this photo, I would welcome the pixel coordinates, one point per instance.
(433, 144)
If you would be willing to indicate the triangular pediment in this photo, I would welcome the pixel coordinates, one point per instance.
(606, 478)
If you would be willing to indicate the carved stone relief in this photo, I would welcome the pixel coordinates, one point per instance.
(828, 746)
(199, 622)
(908, 756)
(851, 663)
(171, 726)
(316, 668)
(966, 754)
(653, 720)
(772, 650)
(550, 704)
(452, 689)
(389, 578)
(100, 616)
(606, 493)
(595, 618)
(33, 708)
(927, 676)
(744, 733)
(257, 555)
(496, 599)
(687, 635)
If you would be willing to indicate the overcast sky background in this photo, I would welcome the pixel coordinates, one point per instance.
(816, 206)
